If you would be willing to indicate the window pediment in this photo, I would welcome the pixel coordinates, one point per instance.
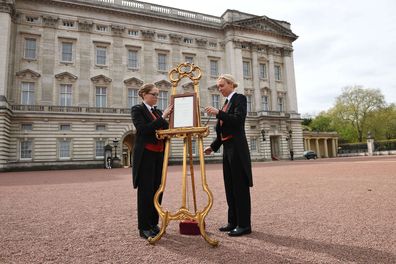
(212, 88)
(164, 84)
(66, 75)
(28, 73)
(101, 78)
(133, 82)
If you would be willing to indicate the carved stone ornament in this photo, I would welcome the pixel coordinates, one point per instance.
(188, 86)
(28, 72)
(133, 82)
(287, 52)
(175, 38)
(265, 91)
(66, 75)
(201, 42)
(50, 21)
(212, 88)
(85, 25)
(148, 34)
(101, 78)
(7, 6)
(163, 84)
(117, 29)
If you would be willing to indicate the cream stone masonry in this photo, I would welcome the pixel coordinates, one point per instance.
(80, 63)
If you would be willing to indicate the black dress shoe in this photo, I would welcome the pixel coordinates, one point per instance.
(227, 228)
(146, 233)
(240, 231)
(155, 229)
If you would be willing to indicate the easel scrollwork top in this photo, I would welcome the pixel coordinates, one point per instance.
(185, 126)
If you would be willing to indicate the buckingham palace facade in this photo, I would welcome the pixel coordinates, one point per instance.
(70, 72)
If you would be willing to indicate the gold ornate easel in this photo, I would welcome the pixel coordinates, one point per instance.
(185, 70)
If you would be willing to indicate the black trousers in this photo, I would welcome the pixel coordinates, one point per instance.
(149, 180)
(236, 186)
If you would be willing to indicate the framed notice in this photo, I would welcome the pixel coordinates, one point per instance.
(184, 110)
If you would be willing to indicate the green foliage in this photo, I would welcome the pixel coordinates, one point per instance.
(356, 112)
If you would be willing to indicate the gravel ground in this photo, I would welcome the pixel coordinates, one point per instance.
(340, 210)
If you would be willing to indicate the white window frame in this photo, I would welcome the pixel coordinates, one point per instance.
(247, 71)
(253, 144)
(29, 91)
(67, 55)
(30, 52)
(101, 96)
(214, 68)
(162, 102)
(281, 104)
(263, 71)
(133, 62)
(216, 101)
(99, 148)
(162, 63)
(64, 149)
(249, 103)
(278, 73)
(265, 102)
(100, 57)
(26, 150)
(133, 97)
(65, 95)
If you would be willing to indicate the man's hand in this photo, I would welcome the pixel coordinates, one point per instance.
(211, 110)
(208, 151)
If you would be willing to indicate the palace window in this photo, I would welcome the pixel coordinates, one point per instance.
(163, 100)
(278, 73)
(64, 149)
(265, 102)
(30, 48)
(263, 70)
(26, 149)
(67, 52)
(27, 93)
(216, 101)
(100, 128)
(26, 127)
(246, 69)
(99, 148)
(65, 97)
(253, 144)
(132, 97)
(64, 127)
(101, 53)
(214, 68)
(133, 62)
(280, 104)
(249, 103)
(101, 97)
(162, 66)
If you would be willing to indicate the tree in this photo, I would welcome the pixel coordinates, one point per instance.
(354, 106)
(322, 123)
(382, 123)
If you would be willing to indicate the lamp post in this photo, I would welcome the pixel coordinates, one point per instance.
(115, 143)
(289, 138)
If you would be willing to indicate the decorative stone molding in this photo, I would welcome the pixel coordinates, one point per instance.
(148, 34)
(281, 93)
(7, 6)
(133, 82)
(163, 84)
(212, 88)
(101, 78)
(201, 42)
(66, 75)
(28, 72)
(188, 86)
(85, 25)
(50, 21)
(265, 91)
(117, 29)
(287, 52)
(249, 91)
(175, 38)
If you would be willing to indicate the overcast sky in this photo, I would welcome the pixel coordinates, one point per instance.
(341, 43)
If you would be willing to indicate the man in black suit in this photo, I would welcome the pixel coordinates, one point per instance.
(237, 170)
(148, 156)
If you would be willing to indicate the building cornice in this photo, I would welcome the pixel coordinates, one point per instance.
(7, 6)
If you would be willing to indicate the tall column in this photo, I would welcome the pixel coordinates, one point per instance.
(7, 9)
(308, 144)
(290, 81)
(271, 79)
(333, 145)
(317, 147)
(256, 81)
(326, 154)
